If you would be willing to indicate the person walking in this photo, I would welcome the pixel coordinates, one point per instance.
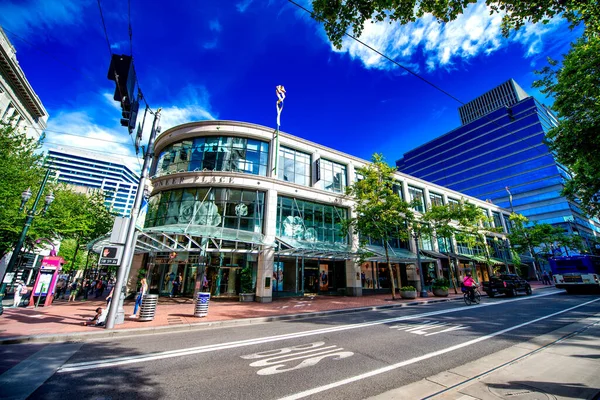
(140, 296)
(86, 289)
(20, 290)
(545, 278)
(75, 286)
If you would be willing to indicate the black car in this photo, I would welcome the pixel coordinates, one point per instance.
(508, 284)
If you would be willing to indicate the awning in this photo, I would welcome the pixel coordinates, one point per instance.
(459, 257)
(434, 254)
(191, 238)
(396, 255)
(289, 247)
(482, 259)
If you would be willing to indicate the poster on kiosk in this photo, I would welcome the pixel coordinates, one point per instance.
(45, 282)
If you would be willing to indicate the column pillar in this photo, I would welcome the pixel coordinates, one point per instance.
(264, 275)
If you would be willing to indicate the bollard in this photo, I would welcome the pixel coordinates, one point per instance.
(202, 305)
(148, 307)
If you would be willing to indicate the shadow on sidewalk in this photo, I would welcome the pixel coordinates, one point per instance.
(560, 389)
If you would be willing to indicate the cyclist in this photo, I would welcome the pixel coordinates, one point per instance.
(469, 286)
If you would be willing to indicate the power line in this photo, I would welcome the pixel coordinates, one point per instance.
(93, 151)
(386, 57)
(104, 26)
(74, 134)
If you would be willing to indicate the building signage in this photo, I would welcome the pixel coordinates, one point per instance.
(111, 255)
(194, 179)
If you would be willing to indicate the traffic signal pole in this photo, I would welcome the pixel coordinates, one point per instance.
(116, 313)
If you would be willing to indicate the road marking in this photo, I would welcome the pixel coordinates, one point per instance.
(249, 342)
(312, 353)
(423, 327)
(392, 367)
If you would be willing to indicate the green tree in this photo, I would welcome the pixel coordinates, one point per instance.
(438, 223)
(380, 213)
(20, 168)
(575, 87)
(341, 16)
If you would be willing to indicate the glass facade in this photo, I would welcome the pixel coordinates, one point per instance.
(294, 166)
(306, 221)
(215, 153)
(416, 194)
(333, 176)
(222, 207)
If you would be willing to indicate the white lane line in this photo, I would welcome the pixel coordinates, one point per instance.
(392, 367)
(248, 342)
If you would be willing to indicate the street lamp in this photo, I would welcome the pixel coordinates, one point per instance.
(25, 196)
(416, 232)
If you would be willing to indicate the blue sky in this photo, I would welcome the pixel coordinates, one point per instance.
(203, 60)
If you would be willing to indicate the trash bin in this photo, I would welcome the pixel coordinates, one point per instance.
(148, 307)
(202, 305)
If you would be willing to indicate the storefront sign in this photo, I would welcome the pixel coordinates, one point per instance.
(194, 179)
(8, 278)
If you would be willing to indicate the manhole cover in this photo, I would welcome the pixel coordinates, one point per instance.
(520, 392)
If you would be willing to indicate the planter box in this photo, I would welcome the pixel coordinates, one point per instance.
(409, 295)
(440, 292)
(247, 297)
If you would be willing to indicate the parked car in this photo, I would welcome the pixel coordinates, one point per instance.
(507, 284)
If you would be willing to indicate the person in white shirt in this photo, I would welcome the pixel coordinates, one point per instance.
(20, 290)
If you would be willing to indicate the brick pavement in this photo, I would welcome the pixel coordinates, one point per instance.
(63, 317)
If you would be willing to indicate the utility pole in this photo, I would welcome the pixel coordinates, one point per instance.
(116, 314)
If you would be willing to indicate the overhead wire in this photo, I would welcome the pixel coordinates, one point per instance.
(104, 26)
(487, 116)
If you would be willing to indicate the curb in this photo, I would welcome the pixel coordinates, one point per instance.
(82, 336)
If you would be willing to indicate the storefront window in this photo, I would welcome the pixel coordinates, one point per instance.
(215, 153)
(417, 195)
(333, 176)
(310, 222)
(229, 208)
(294, 166)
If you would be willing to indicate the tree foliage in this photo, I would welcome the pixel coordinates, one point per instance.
(72, 215)
(575, 87)
(341, 16)
(379, 212)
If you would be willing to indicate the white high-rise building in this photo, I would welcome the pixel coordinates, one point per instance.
(87, 170)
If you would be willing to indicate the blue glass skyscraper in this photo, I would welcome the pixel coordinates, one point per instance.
(501, 145)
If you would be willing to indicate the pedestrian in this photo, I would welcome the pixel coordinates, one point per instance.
(109, 297)
(545, 278)
(140, 296)
(98, 320)
(86, 288)
(20, 290)
(60, 289)
(75, 286)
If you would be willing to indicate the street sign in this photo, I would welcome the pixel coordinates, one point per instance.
(111, 255)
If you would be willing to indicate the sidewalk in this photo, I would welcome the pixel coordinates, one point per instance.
(563, 364)
(63, 321)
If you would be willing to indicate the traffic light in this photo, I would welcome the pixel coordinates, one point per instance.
(122, 72)
(130, 116)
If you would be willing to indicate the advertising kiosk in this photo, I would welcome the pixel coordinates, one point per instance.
(45, 282)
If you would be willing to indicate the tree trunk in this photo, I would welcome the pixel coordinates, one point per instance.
(452, 275)
(399, 277)
(387, 259)
(75, 256)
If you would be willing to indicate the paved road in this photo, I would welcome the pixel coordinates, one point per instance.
(348, 356)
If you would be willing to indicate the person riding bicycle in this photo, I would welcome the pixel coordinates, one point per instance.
(469, 285)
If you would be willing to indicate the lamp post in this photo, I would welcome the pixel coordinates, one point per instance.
(25, 196)
(417, 235)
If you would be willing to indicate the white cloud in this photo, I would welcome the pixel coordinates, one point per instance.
(214, 25)
(210, 45)
(243, 5)
(98, 129)
(25, 17)
(474, 32)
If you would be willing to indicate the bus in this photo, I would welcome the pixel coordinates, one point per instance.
(576, 273)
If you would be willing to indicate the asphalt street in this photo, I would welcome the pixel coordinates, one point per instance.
(346, 356)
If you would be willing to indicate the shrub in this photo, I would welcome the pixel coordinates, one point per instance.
(408, 289)
(441, 283)
(246, 284)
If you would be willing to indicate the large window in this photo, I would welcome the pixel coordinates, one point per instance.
(310, 222)
(497, 220)
(436, 199)
(333, 176)
(223, 207)
(416, 195)
(215, 153)
(294, 166)
(454, 204)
